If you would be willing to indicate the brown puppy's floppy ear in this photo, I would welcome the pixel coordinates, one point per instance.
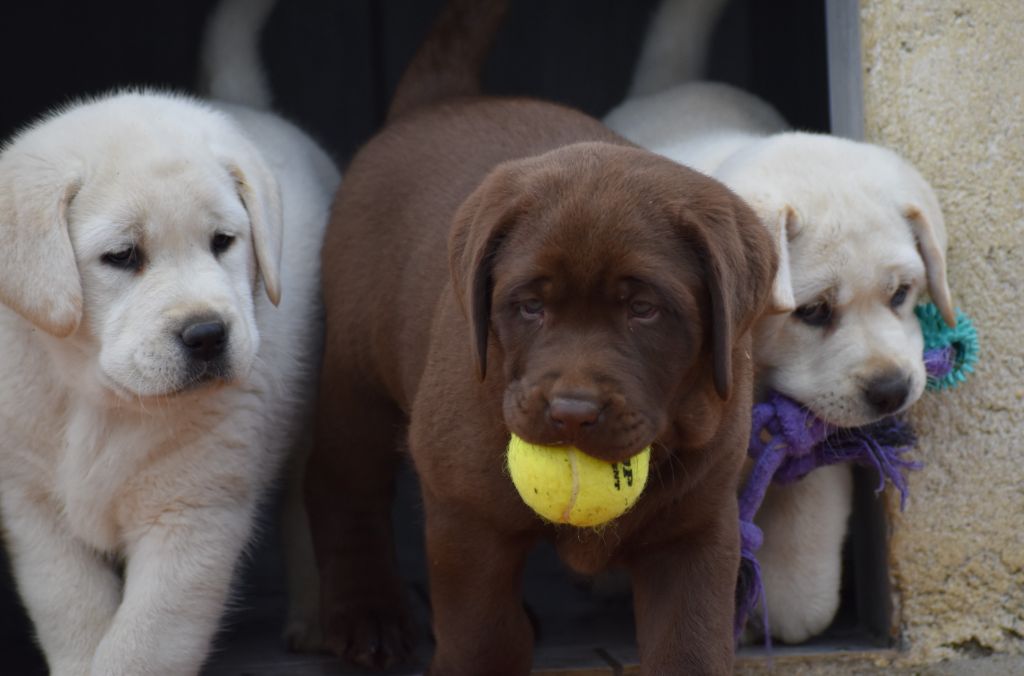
(38, 273)
(740, 265)
(481, 223)
(261, 197)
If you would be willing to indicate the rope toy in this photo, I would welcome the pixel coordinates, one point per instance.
(788, 441)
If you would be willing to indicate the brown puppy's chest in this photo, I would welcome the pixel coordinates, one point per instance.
(588, 551)
(682, 492)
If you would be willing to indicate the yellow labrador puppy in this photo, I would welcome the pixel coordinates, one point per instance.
(159, 283)
(860, 236)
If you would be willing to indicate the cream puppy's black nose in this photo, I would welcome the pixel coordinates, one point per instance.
(887, 392)
(204, 340)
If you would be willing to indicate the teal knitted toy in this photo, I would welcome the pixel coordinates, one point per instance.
(949, 353)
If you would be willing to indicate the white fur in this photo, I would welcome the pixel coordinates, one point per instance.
(802, 567)
(853, 223)
(111, 455)
(676, 44)
(231, 66)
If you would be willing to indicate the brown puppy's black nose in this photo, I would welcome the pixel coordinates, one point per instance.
(887, 392)
(571, 414)
(204, 340)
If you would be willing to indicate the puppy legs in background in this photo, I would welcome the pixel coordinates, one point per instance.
(804, 526)
(71, 591)
(480, 624)
(302, 631)
(683, 596)
(179, 569)
(350, 481)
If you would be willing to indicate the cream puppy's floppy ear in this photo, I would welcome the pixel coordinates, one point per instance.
(780, 219)
(782, 226)
(930, 234)
(911, 194)
(38, 273)
(261, 196)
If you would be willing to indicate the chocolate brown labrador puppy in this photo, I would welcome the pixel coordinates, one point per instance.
(508, 265)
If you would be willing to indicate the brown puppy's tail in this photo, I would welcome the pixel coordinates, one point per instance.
(449, 61)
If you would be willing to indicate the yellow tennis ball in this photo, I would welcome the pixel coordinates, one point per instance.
(565, 485)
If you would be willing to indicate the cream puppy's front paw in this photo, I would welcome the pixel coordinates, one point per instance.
(804, 528)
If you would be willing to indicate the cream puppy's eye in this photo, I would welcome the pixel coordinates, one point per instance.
(221, 243)
(818, 313)
(128, 258)
(899, 297)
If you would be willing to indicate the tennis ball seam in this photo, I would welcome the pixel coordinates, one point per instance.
(574, 493)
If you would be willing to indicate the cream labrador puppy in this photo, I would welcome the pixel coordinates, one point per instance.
(159, 285)
(860, 237)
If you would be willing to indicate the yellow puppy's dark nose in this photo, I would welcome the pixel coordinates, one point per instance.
(204, 340)
(887, 392)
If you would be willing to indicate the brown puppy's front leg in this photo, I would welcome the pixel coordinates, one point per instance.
(349, 489)
(476, 573)
(684, 599)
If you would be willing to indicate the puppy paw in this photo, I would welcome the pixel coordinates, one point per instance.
(372, 637)
(797, 623)
(304, 636)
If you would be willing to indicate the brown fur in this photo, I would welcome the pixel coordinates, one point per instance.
(449, 220)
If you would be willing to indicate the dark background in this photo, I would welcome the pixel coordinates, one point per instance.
(332, 66)
(333, 63)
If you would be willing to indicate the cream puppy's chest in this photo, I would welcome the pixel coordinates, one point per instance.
(94, 475)
(118, 475)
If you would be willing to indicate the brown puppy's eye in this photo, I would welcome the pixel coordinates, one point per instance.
(899, 297)
(532, 309)
(220, 243)
(129, 258)
(814, 314)
(641, 309)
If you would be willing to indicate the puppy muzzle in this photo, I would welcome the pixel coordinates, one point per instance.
(600, 426)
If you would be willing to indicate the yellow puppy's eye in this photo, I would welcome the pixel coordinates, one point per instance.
(129, 258)
(818, 313)
(899, 297)
(220, 243)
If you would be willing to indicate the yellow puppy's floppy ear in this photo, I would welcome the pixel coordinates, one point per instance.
(780, 219)
(781, 225)
(911, 194)
(481, 223)
(38, 273)
(930, 234)
(261, 196)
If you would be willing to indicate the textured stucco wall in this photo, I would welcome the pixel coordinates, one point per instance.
(944, 86)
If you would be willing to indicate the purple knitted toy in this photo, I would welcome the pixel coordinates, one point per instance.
(788, 441)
